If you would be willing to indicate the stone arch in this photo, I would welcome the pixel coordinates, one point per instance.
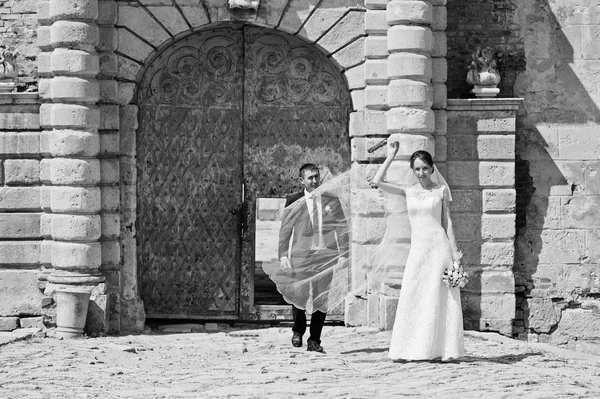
(144, 31)
(141, 73)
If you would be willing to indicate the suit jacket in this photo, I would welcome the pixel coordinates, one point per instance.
(297, 228)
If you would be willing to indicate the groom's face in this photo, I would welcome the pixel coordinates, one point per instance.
(311, 179)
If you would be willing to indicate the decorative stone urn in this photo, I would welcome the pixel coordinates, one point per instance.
(483, 74)
(8, 69)
(244, 4)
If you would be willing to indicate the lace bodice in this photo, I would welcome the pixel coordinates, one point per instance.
(424, 204)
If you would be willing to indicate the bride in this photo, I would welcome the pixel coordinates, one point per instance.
(428, 322)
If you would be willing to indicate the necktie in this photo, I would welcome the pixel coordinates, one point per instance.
(315, 223)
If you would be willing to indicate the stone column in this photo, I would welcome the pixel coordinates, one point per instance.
(70, 145)
(410, 119)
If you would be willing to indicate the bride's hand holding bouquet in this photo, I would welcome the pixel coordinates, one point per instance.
(455, 276)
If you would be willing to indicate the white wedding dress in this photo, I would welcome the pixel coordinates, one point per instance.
(428, 321)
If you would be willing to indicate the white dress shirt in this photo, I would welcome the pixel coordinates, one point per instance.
(317, 238)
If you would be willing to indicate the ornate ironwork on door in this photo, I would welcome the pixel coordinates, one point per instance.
(219, 109)
(189, 178)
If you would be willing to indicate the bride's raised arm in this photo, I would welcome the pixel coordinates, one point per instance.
(378, 181)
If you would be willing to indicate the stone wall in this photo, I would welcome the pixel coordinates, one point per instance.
(18, 30)
(552, 64)
(21, 245)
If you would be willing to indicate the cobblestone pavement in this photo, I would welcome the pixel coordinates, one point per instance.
(261, 363)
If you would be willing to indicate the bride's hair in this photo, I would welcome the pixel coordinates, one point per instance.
(423, 156)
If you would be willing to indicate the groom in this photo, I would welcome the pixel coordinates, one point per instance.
(313, 237)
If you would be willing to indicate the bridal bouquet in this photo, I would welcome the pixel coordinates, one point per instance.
(455, 276)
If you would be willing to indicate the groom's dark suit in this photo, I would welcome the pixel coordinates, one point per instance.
(297, 241)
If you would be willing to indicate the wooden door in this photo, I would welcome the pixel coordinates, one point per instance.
(189, 183)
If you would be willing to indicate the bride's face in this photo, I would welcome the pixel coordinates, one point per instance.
(422, 171)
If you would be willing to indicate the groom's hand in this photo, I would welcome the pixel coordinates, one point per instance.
(284, 263)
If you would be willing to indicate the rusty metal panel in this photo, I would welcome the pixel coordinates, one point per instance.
(296, 108)
(189, 155)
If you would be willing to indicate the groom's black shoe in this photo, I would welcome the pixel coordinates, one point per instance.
(312, 346)
(297, 340)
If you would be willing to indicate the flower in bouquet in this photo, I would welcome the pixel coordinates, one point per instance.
(455, 276)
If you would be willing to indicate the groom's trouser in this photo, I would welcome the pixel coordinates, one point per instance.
(318, 269)
(317, 320)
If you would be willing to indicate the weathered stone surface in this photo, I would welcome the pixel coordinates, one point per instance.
(404, 119)
(170, 18)
(109, 143)
(350, 55)
(358, 100)
(132, 46)
(67, 171)
(142, 23)
(499, 200)
(19, 198)
(480, 174)
(73, 34)
(269, 14)
(21, 143)
(496, 146)
(355, 311)
(74, 10)
(409, 93)
(498, 254)
(76, 256)
(72, 61)
(489, 312)
(111, 225)
(439, 68)
(375, 72)
(409, 66)
(556, 246)
(490, 282)
(468, 201)
(75, 199)
(19, 293)
(409, 12)
(9, 323)
(19, 225)
(582, 212)
(410, 38)
(343, 32)
(355, 77)
(31, 322)
(76, 227)
(481, 122)
(577, 324)
(110, 198)
(440, 96)
(376, 97)
(439, 20)
(21, 171)
(376, 47)
(543, 315)
(441, 151)
(467, 226)
(440, 44)
(387, 312)
(322, 19)
(578, 142)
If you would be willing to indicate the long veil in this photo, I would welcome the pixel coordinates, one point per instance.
(364, 238)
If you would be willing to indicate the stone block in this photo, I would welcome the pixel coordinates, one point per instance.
(108, 39)
(441, 151)
(44, 64)
(462, 147)
(348, 29)
(441, 122)
(322, 20)
(109, 92)
(76, 227)
(111, 225)
(171, 18)
(68, 142)
(9, 323)
(375, 22)
(481, 122)
(70, 116)
(358, 100)
(440, 44)
(76, 256)
(484, 174)
(69, 171)
(490, 282)
(376, 97)
(125, 92)
(132, 46)
(489, 312)
(414, 120)
(578, 142)
(375, 4)
(21, 171)
(367, 203)
(68, 88)
(110, 198)
(499, 200)
(31, 322)
(107, 12)
(558, 246)
(409, 12)
(494, 227)
(592, 242)
(19, 293)
(357, 124)
(75, 199)
(498, 254)
(44, 40)
(133, 17)
(467, 226)
(439, 70)
(409, 66)
(19, 225)
(128, 117)
(581, 212)
(109, 143)
(409, 143)
(73, 10)
(19, 199)
(128, 171)
(496, 147)
(440, 96)
(19, 143)
(387, 312)
(109, 170)
(439, 18)
(368, 230)
(355, 312)
(409, 93)
(19, 119)
(267, 16)
(577, 324)
(351, 55)
(73, 34)
(465, 201)
(376, 47)
(45, 198)
(543, 316)
(408, 38)
(556, 178)
(46, 225)
(43, 12)
(592, 177)
(373, 307)
(375, 72)
(72, 61)
(356, 77)
(20, 253)
(375, 122)
(110, 64)
(111, 254)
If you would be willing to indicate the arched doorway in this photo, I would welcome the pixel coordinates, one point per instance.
(226, 117)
